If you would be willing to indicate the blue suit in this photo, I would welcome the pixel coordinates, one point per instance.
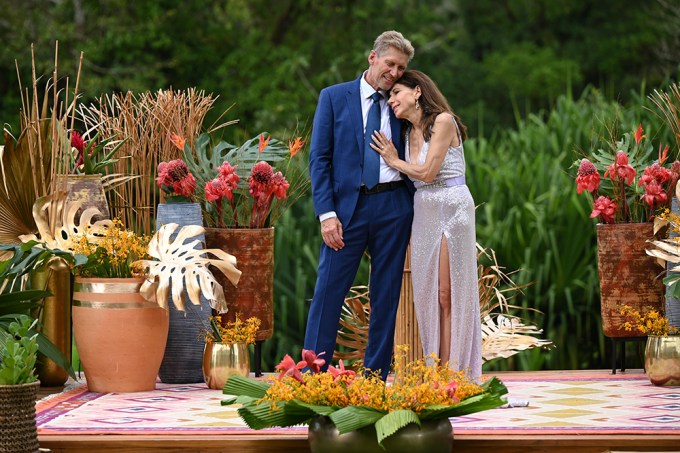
(378, 222)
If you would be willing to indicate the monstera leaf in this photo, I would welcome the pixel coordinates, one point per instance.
(180, 265)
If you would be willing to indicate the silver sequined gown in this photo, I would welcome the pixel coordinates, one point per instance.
(448, 211)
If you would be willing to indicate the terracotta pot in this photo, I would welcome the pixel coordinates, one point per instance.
(221, 361)
(628, 276)
(119, 335)
(433, 436)
(254, 296)
(662, 360)
(18, 432)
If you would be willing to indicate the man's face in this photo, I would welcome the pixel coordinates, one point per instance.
(384, 70)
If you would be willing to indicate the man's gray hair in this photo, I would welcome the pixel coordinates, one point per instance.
(393, 39)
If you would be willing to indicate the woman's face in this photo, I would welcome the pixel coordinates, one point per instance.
(403, 100)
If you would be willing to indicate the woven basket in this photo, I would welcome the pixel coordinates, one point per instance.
(18, 433)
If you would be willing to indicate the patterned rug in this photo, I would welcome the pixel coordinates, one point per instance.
(594, 404)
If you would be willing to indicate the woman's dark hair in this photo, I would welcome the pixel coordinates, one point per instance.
(432, 101)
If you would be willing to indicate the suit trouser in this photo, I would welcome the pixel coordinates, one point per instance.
(382, 224)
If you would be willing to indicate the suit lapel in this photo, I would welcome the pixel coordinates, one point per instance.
(354, 104)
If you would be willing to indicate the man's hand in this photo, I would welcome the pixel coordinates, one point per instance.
(331, 231)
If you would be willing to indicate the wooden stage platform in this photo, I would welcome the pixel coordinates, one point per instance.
(543, 442)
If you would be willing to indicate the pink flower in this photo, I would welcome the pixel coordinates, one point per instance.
(338, 373)
(228, 174)
(620, 169)
(278, 185)
(216, 189)
(288, 367)
(587, 178)
(259, 178)
(655, 172)
(604, 208)
(174, 177)
(451, 389)
(654, 194)
(312, 360)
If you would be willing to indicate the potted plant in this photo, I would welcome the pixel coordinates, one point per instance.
(243, 191)
(662, 353)
(636, 184)
(348, 411)
(18, 387)
(226, 349)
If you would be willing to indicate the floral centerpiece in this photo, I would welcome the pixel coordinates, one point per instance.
(633, 188)
(232, 332)
(352, 401)
(247, 186)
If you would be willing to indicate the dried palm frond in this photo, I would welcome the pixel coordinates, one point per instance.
(668, 102)
(185, 266)
(503, 335)
(353, 331)
(31, 162)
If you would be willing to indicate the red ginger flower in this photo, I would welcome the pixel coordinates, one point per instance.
(228, 174)
(604, 208)
(588, 177)
(216, 189)
(655, 172)
(620, 169)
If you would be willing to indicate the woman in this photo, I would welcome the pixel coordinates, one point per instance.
(443, 242)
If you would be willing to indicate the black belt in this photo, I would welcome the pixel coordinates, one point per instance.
(383, 187)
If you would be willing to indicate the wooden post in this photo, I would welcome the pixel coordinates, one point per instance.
(406, 331)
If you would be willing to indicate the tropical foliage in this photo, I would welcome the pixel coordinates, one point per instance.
(19, 353)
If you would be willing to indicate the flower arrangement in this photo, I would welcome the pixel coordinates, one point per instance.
(86, 152)
(352, 401)
(112, 255)
(240, 186)
(236, 331)
(633, 188)
(649, 322)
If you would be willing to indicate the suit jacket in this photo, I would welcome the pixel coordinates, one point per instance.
(336, 151)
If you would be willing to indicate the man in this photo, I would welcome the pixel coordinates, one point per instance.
(361, 202)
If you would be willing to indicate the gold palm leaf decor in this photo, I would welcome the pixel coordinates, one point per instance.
(55, 220)
(353, 331)
(183, 266)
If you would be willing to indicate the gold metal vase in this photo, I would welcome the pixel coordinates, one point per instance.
(221, 361)
(662, 360)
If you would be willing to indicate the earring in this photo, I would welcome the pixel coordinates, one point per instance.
(417, 104)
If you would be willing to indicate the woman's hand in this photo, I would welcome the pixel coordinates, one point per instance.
(385, 147)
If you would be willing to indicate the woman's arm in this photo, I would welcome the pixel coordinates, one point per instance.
(443, 135)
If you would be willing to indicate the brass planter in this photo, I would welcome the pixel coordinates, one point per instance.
(221, 361)
(662, 360)
(434, 436)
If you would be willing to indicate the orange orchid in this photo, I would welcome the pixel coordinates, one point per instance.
(264, 142)
(296, 146)
(177, 140)
(638, 134)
